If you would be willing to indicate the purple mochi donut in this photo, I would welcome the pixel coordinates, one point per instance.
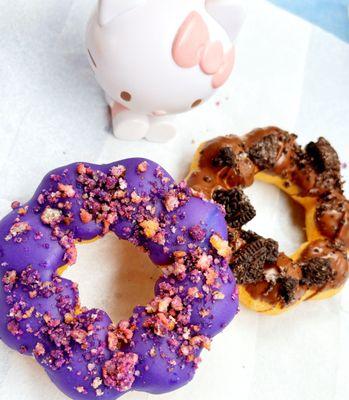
(87, 356)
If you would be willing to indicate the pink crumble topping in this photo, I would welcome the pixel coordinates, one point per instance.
(51, 216)
(119, 371)
(120, 334)
(97, 382)
(39, 350)
(118, 171)
(79, 335)
(150, 228)
(142, 167)
(204, 262)
(197, 233)
(211, 275)
(81, 169)
(218, 295)
(15, 204)
(81, 389)
(13, 328)
(171, 202)
(85, 216)
(22, 210)
(17, 229)
(66, 190)
(201, 341)
(135, 198)
(10, 278)
(222, 246)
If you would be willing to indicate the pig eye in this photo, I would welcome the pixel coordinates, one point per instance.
(126, 96)
(91, 58)
(196, 103)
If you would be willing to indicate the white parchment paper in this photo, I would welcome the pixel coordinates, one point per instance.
(52, 112)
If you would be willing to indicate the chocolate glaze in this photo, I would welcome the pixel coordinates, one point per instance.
(336, 254)
(316, 172)
(332, 216)
(207, 178)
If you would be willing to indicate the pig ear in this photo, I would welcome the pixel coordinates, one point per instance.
(109, 9)
(229, 13)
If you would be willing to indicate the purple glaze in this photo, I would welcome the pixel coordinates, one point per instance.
(87, 356)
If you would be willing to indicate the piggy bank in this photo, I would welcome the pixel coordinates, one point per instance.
(157, 58)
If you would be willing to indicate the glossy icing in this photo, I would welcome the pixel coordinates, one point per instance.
(83, 352)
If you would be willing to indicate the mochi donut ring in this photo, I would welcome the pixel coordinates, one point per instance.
(269, 281)
(86, 355)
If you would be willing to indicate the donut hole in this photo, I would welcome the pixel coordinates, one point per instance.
(113, 275)
(278, 216)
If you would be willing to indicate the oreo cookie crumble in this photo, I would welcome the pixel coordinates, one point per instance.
(316, 272)
(238, 207)
(224, 158)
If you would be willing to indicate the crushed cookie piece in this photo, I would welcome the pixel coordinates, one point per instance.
(120, 334)
(153, 352)
(17, 229)
(331, 207)
(287, 289)
(118, 171)
(80, 389)
(81, 169)
(211, 275)
(193, 292)
(142, 167)
(201, 341)
(177, 304)
(323, 156)
(150, 228)
(238, 207)
(85, 216)
(204, 313)
(119, 371)
(265, 152)
(316, 272)
(135, 198)
(171, 202)
(39, 350)
(13, 328)
(272, 247)
(224, 158)
(222, 246)
(22, 211)
(9, 279)
(218, 295)
(91, 367)
(66, 190)
(15, 204)
(51, 216)
(204, 262)
(197, 233)
(248, 262)
(97, 382)
(163, 304)
(79, 335)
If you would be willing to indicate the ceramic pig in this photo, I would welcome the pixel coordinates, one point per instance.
(155, 58)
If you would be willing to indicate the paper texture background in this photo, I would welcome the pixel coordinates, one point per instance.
(52, 112)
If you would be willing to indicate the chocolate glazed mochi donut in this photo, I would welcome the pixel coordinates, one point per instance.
(269, 281)
(86, 355)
